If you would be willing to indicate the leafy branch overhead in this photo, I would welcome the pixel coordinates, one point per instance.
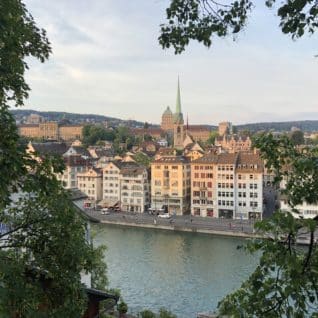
(285, 282)
(201, 20)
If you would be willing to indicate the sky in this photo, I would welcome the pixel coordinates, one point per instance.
(107, 60)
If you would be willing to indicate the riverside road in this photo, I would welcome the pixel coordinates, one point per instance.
(184, 222)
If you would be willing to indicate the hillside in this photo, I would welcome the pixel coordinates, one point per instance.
(21, 114)
(304, 125)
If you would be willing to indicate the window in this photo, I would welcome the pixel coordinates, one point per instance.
(209, 184)
(196, 175)
(251, 177)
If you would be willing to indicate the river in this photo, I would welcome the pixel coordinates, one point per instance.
(186, 273)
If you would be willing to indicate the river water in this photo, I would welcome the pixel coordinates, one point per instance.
(186, 273)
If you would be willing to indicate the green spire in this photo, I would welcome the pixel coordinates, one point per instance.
(178, 117)
(178, 103)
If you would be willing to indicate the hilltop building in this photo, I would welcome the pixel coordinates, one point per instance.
(234, 143)
(51, 130)
(225, 128)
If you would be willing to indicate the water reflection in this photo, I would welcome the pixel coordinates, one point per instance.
(184, 272)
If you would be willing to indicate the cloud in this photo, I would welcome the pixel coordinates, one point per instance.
(106, 59)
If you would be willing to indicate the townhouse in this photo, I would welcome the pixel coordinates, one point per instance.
(227, 185)
(126, 184)
(90, 182)
(170, 184)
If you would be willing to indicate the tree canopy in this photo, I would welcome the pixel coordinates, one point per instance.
(285, 282)
(201, 20)
(43, 244)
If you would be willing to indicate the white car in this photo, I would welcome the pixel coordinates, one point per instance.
(164, 216)
(105, 211)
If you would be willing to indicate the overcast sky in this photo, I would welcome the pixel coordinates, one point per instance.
(106, 60)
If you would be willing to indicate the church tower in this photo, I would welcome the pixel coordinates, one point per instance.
(178, 123)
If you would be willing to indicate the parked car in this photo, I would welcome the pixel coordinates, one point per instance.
(105, 211)
(164, 216)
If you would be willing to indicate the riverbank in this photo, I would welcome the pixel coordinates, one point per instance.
(220, 227)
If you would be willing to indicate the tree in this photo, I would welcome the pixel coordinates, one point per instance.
(212, 137)
(285, 283)
(297, 137)
(201, 20)
(43, 248)
(94, 133)
(142, 159)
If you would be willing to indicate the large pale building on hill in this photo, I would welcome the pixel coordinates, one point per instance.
(51, 130)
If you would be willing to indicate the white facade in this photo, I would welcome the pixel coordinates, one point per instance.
(111, 183)
(304, 211)
(134, 188)
(249, 195)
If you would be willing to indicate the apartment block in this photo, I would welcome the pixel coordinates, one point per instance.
(225, 180)
(74, 164)
(134, 188)
(203, 186)
(227, 185)
(126, 184)
(249, 187)
(90, 182)
(170, 184)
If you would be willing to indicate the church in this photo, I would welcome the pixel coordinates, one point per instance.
(173, 123)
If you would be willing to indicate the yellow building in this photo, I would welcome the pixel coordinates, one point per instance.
(51, 130)
(170, 185)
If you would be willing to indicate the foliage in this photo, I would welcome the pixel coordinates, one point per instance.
(146, 314)
(43, 247)
(122, 307)
(285, 283)
(202, 19)
(163, 313)
(92, 134)
(212, 137)
(142, 159)
(297, 137)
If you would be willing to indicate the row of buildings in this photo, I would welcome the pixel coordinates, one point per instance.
(224, 185)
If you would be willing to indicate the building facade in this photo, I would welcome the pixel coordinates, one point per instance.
(90, 182)
(234, 143)
(225, 128)
(203, 186)
(134, 188)
(74, 164)
(167, 120)
(51, 130)
(170, 184)
(227, 185)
